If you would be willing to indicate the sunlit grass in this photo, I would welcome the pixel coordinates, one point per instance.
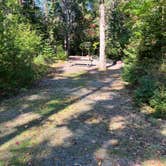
(75, 75)
(155, 162)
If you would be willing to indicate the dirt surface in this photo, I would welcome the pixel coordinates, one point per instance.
(79, 116)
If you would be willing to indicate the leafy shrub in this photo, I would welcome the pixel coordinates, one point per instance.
(118, 33)
(113, 52)
(39, 66)
(47, 51)
(17, 55)
(60, 55)
(41, 61)
(129, 73)
(144, 58)
(19, 45)
(145, 90)
(158, 102)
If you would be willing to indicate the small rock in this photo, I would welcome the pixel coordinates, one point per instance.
(77, 165)
(114, 142)
(131, 138)
(93, 141)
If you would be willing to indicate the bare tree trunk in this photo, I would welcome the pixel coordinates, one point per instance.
(68, 46)
(20, 2)
(65, 46)
(68, 40)
(102, 57)
(163, 29)
(46, 10)
(33, 4)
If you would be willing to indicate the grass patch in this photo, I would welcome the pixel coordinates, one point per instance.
(75, 75)
(53, 106)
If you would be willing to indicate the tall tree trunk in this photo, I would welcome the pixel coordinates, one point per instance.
(20, 2)
(46, 10)
(163, 29)
(68, 45)
(102, 57)
(33, 4)
(65, 45)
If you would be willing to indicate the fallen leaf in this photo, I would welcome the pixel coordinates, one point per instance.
(17, 143)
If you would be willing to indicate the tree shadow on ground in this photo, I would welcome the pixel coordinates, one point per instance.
(107, 130)
(111, 136)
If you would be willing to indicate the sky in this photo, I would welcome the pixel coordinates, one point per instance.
(40, 3)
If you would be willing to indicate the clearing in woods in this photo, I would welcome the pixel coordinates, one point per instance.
(79, 116)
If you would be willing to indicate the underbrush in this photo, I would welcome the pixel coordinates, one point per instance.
(145, 60)
(150, 87)
(25, 53)
(60, 54)
(24, 75)
(158, 102)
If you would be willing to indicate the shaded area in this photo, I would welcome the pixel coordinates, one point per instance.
(84, 119)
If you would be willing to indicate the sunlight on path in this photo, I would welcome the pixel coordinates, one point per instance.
(79, 115)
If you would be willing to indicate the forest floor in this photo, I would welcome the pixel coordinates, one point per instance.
(79, 116)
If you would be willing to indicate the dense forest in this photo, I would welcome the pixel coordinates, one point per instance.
(33, 33)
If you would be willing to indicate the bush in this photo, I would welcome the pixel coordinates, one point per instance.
(158, 102)
(129, 73)
(60, 55)
(144, 53)
(19, 45)
(145, 90)
(41, 61)
(23, 56)
(47, 51)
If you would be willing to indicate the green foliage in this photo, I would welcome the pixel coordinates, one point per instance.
(22, 54)
(47, 51)
(145, 89)
(89, 47)
(18, 46)
(61, 55)
(27, 45)
(86, 47)
(31, 38)
(145, 53)
(117, 33)
(130, 73)
(95, 48)
(158, 102)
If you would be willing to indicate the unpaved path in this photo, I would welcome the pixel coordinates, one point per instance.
(78, 116)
